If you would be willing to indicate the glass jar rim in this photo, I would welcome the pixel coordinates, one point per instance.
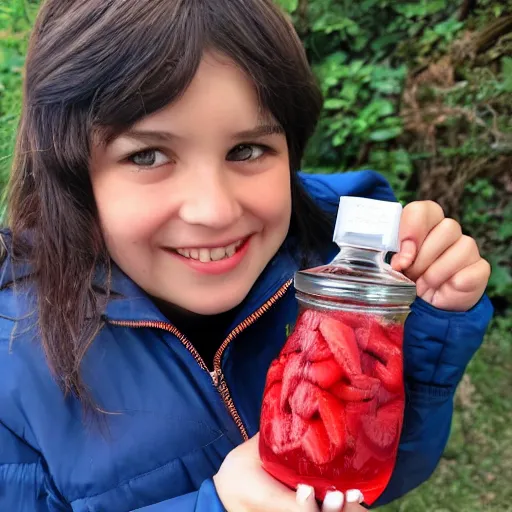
(364, 290)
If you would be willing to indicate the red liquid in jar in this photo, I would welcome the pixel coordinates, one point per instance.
(333, 405)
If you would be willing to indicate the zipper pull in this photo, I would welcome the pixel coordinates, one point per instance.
(216, 376)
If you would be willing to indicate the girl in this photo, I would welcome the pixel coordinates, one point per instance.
(156, 218)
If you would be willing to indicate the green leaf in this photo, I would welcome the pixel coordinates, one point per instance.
(386, 134)
(498, 10)
(500, 279)
(289, 5)
(386, 40)
(349, 91)
(505, 231)
(506, 84)
(448, 26)
(338, 139)
(360, 125)
(383, 107)
(10, 60)
(334, 104)
(420, 9)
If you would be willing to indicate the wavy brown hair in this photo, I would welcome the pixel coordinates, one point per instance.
(98, 66)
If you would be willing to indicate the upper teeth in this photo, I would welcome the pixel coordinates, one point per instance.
(207, 255)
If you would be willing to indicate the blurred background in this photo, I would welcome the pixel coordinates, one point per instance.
(422, 92)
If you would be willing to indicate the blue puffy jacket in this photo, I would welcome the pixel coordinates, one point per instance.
(175, 421)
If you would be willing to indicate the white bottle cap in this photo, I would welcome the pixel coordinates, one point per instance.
(368, 223)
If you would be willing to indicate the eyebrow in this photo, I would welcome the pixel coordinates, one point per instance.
(152, 136)
(261, 131)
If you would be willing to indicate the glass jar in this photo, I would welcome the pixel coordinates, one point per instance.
(334, 398)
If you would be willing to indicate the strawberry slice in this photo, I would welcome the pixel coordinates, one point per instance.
(381, 437)
(353, 320)
(310, 319)
(391, 411)
(362, 381)
(332, 413)
(324, 373)
(391, 375)
(316, 444)
(356, 412)
(362, 335)
(368, 364)
(292, 375)
(361, 387)
(271, 412)
(275, 373)
(288, 432)
(382, 431)
(304, 401)
(378, 343)
(395, 333)
(342, 342)
(362, 457)
(293, 344)
(315, 348)
(384, 396)
(281, 431)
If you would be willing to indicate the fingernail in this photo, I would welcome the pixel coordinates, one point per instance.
(333, 501)
(354, 496)
(303, 493)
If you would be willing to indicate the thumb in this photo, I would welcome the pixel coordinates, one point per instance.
(406, 256)
(251, 446)
(418, 219)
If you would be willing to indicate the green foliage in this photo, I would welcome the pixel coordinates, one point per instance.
(15, 22)
(358, 53)
(289, 5)
(493, 227)
(404, 96)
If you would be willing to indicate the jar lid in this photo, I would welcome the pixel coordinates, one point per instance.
(358, 286)
(369, 223)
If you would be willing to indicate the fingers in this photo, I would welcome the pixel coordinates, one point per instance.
(418, 219)
(473, 277)
(353, 500)
(305, 497)
(440, 238)
(445, 264)
(461, 292)
(460, 255)
(333, 502)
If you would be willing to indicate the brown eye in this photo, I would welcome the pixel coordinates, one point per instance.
(149, 158)
(245, 152)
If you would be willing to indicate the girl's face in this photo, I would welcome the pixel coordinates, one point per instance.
(194, 200)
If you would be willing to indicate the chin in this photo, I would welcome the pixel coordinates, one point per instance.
(213, 308)
(214, 305)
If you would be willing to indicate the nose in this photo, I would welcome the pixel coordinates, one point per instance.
(211, 201)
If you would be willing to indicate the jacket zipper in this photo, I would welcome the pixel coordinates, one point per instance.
(216, 375)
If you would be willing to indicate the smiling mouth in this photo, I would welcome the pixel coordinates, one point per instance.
(207, 255)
